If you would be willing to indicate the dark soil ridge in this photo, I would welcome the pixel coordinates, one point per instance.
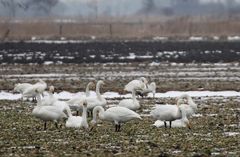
(117, 51)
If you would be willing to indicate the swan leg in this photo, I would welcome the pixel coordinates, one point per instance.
(77, 113)
(170, 124)
(45, 125)
(165, 124)
(116, 127)
(56, 124)
(89, 113)
(119, 126)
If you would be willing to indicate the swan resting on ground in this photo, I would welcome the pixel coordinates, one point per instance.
(117, 115)
(175, 124)
(132, 104)
(77, 121)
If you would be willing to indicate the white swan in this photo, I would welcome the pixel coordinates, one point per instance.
(21, 87)
(50, 98)
(136, 85)
(117, 115)
(190, 109)
(74, 102)
(77, 121)
(149, 88)
(96, 101)
(49, 113)
(191, 106)
(132, 104)
(171, 113)
(39, 87)
(175, 124)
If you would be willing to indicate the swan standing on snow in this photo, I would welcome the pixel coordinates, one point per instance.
(49, 113)
(132, 104)
(31, 91)
(77, 121)
(21, 87)
(74, 102)
(171, 113)
(149, 88)
(117, 115)
(136, 84)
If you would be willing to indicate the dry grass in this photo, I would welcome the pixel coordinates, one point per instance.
(177, 27)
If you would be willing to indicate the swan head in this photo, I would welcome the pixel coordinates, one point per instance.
(15, 88)
(41, 81)
(180, 101)
(51, 89)
(93, 123)
(84, 103)
(100, 82)
(144, 80)
(184, 117)
(91, 84)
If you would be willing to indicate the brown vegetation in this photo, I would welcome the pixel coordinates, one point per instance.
(174, 28)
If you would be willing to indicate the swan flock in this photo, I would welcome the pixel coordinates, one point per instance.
(49, 108)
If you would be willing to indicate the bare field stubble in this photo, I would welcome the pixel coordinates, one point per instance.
(215, 128)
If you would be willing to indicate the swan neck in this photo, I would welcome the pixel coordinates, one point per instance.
(101, 112)
(84, 114)
(191, 103)
(98, 92)
(87, 90)
(133, 95)
(39, 99)
(69, 113)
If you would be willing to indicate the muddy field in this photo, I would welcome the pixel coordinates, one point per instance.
(119, 51)
(215, 131)
(168, 76)
(199, 66)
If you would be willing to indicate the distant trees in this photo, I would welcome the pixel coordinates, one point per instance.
(38, 6)
(93, 5)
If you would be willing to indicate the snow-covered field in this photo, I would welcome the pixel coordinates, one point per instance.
(112, 95)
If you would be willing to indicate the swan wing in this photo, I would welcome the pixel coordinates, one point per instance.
(130, 104)
(165, 112)
(135, 85)
(121, 114)
(48, 113)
